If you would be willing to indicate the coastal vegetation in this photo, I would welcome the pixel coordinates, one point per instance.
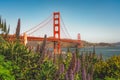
(18, 62)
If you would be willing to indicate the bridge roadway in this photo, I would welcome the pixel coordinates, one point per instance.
(51, 39)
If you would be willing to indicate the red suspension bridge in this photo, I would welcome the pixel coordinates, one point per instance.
(56, 34)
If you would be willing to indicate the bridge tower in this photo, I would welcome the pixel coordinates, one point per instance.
(56, 32)
(78, 36)
(79, 40)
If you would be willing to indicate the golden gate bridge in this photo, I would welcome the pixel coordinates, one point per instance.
(59, 32)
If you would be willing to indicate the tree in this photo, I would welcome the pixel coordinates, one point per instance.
(4, 31)
(18, 29)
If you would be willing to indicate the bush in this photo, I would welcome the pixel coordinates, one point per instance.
(5, 69)
(18, 62)
(108, 69)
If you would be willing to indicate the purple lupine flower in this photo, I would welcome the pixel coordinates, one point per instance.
(72, 67)
(61, 68)
(43, 49)
(92, 72)
(38, 48)
(73, 62)
(71, 75)
(78, 65)
(50, 55)
(83, 57)
(88, 77)
(18, 29)
(76, 69)
(83, 74)
(66, 76)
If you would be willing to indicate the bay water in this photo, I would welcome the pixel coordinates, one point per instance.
(106, 51)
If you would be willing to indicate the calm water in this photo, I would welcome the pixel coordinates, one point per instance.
(105, 51)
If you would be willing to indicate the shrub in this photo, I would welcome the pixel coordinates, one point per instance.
(5, 69)
(109, 68)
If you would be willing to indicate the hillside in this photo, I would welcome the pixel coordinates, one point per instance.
(85, 43)
(65, 44)
(117, 43)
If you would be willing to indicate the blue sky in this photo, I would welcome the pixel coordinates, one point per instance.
(95, 20)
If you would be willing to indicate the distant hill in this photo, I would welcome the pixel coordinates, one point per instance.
(85, 43)
(117, 43)
(103, 44)
(65, 44)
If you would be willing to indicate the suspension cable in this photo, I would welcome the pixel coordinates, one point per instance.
(41, 26)
(65, 27)
(37, 25)
(64, 32)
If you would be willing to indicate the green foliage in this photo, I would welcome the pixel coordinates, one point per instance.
(77, 76)
(48, 70)
(114, 67)
(109, 68)
(17, 62)
(5, 69)
(25, 63)
(108, 78)
(100, 69)
(1, 40)
(19, 55)
(67, 60)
